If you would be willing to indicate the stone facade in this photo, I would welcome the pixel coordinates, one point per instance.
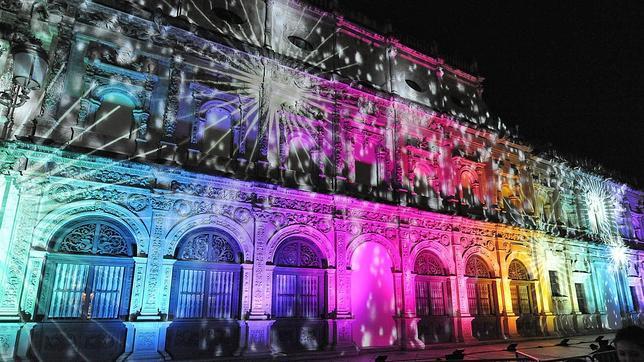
(309, 173)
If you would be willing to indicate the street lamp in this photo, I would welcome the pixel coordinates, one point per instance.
(29, 71)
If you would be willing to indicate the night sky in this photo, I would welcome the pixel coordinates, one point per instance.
(568, 73)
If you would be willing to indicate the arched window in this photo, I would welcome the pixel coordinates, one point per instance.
(298, 281)
(431, 286)
(521, 289)
(480, 293)
(299, 158)
(114, 116)
(88, 273)
(217, 137)
(517, 271)
(468, 194)
(205, 280)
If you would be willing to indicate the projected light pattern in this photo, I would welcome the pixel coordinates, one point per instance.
(202, 179)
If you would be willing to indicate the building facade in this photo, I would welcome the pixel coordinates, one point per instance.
(248, 177)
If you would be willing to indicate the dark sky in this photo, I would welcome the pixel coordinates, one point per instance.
(570, 73)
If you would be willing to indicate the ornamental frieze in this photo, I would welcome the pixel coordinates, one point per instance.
(357, 227)
(427, 223)
(281, 220)
(477, 231)
(99, 175)
(468, 242)
(212, 192)
(294, 204)
(422, 235)
(512, 236)
(65, 193)
(370, 215)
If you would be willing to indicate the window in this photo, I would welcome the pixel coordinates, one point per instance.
(205, 281)
(480, 300)
(476, 267)
(636, 303)
(581, 298)
(95, 283)
(480, 293)
(430, 298)
(217, 138)
(431, 286)
(114, 117)
(298, 281)
(555, 287)
(467, 192)
(521, 301)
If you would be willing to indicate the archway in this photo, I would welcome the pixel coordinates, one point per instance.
(432, 299)
(85, 291)
(482, 299)
(204, 296)
(372, 296)
(524, 299)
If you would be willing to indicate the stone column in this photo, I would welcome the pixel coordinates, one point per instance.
(168, 143)
(246, 294)
(154, 272)
(343, 320)
(547, 316)
(409, 322)
(54, 85)
(32, 280)
(465, 319)
(17, 254)
(258, 325)
(600, 306)
(508, 318)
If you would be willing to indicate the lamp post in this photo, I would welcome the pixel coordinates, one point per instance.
(29, 71)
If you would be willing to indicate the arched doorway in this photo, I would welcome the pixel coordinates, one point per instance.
(299, 297)
(204, 296)
(85, 292)
(482, 299)
(432, 299)
(523, 295)
(372, 296)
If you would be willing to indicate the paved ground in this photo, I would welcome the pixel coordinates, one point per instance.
(542, 349)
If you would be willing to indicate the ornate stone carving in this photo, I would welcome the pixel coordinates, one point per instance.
(476, 267)
(428, 264)
(517, 271)
(94, 238)
(299, 254)
(207, 246)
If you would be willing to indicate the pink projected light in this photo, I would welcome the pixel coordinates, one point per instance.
(372, 296)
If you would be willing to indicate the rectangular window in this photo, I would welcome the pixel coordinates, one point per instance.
(484, 299)
(296, 296)
(68, 293)
(204, 293)
(308, 288)
(191, 293)
(524, 299)
(422, 298)
(105, 297)
(437, 298)
(581, 298)
(514, 295)
(554, 283)
(636, 303)
(89, 291)
(471, 299)
(285, 295)
(221, 289)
